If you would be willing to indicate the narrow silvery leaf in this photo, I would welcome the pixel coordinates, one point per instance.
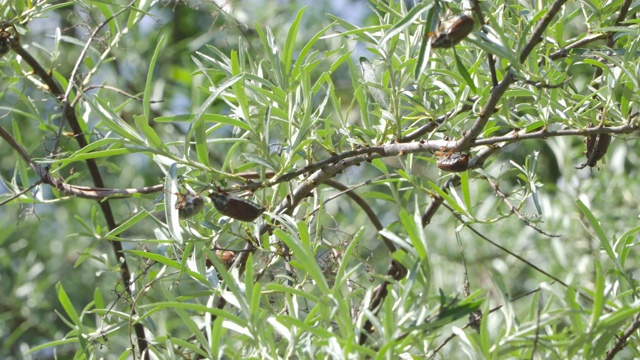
(369, 76)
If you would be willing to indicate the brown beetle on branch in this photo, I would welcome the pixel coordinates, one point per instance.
(597, 145)
(189, 204)
(454, 163)
(453, 30)
(239, 209)
(6, 37)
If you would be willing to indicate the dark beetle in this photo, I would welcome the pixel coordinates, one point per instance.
(6, 38)
(451, 31)
(189, 204)
(597, 146)
(5, 45)
(454, 163)
(239, 209)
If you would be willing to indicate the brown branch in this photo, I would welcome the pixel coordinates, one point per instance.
(622, 341)
(67, 189)
(346, 159)
(69, 115)
(100, 194)
(488, 110)
(498, 91)
(543, 134)
(432, 125)
(610, 41)
(577, 44)
(536, 37)
(373, 217)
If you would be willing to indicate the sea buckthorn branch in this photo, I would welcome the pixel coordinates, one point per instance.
(69, 115)
(498, 91)
(622, 340)
(432, 125)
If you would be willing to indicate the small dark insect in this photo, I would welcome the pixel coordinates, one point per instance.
(189, 204)
(227, 257)
(5, 45)
(454, 163)
(239, 209)
(453, 30)
(597, 146)
(6, 38)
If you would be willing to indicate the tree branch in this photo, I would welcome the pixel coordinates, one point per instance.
(69, 115)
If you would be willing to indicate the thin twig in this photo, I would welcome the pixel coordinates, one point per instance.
(475, 318)
(504, 249)
(622, 341)
(67, 189)
(514, 209)
(453, 335)
(490, 59)
(349, 191)
(20, 193)
(432, 125)
(119, 91)
(537, 337)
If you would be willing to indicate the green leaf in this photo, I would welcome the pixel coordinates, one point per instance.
(113, 120)
(450, 201)
(198, 121)
(466, 192)
(307, 263)
(369, 76)
(170, 200)
(490, 44)
(464, 73)
(289, 45)
(408, 20)
(419, 243)
(598, 296)
(113, 234)
(64, 300)
(152, 137)
(595, 225)
(98, 300)
(425, 43)
(170, 263)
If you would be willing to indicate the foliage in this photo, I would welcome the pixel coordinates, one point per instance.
(121, 120)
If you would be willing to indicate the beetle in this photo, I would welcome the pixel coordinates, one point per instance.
(236, 208)
(454, 163)
(453, 30)
(6, 38)
(597, 146)
(189, 204)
